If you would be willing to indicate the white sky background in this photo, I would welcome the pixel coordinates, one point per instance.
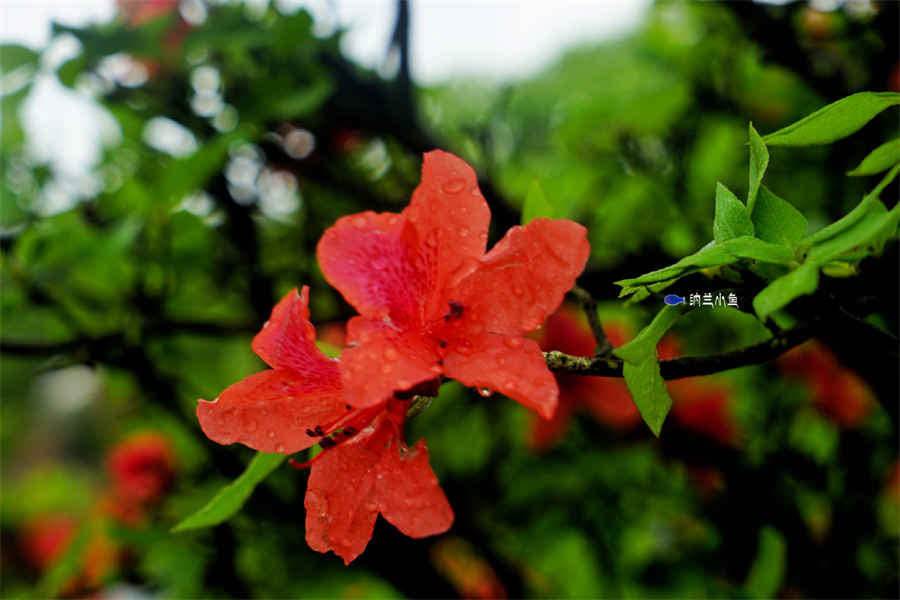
(496, 39)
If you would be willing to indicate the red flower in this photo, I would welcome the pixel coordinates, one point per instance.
(44, 539)
(837, 391)
(705, 407)
(365, 469)
(141, 466)
(138, 12)
(606, 398)
(432, 302)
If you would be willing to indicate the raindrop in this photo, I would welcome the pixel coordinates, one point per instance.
(279, 448)
(359, 222)
(454, 186)
(463, 232)
(513, 342)
(390, 354)
(486, 393)
(271, 435)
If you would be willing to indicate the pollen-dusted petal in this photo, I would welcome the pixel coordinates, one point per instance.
(270, 411)
(523, 278)
(374, 262)
(409, 496)
(341, 497)
(510, 365)
(288, 341)
(384, 361)
(451, 216)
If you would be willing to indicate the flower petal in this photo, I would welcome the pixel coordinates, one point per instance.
(409, 496)
(373, 260)
(288, 341)
(451, 216)
(270, 411)
(511, 365)
(546, 431)
(341, 503)
(384, 361)
(523, 278)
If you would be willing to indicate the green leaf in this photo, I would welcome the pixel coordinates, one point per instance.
(301, 102)
(731, 218)
(231, 498)
(780, 292)
(649, 391)
(13, 56)
(856, 214)
(776, 220)
(536, 204)
(768, 568)
(752, 248)
(711, 255)
(880, 159)
(873, 229)
(835, 121)
(644, 343)
(759, 160)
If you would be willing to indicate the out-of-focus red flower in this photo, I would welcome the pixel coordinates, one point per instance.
(467, 571)
(705, 407)
(607, 398)
(138, 12)
(333, 334)
(347, 140)
(433, 303)
(365, 468)
(142, 466)
(44, 539)
(837, 391)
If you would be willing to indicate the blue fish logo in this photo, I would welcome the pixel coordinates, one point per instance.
(672, 300)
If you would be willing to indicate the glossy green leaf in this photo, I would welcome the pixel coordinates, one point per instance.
(752, 248)
(644, 343)
(780, 292)
(759, 161)
(232, 497)
(711, 255)
(536, 204)
(776, 220)
(835, 121)
(880, 159)
(768, 568)
(13, 56)
(856, 214)
(649, 391)
(871, 231)
(731, 218)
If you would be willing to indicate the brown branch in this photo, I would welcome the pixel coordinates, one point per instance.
(688, 366)
(589, 306)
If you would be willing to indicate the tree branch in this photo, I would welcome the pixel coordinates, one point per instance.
(589, 306)
(688, 366)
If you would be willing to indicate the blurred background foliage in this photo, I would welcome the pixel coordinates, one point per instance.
(235, 134)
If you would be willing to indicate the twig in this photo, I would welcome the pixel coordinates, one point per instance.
(689, 366)
(589, 306)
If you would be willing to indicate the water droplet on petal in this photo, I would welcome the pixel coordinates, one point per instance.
(364, 337)
(464, 349)
(271, 435)
(483, 236)
(513, 342)
(390, 354)
(518, 291)
(454, 186)
(359, 222)
(463, 231)
(386, 369)
(403, 384)
(509, 386)
(436, 370)
(486, 393)
(279, 448)
(392, 220)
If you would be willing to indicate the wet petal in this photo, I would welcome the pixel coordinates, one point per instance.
(374, 261)
(511, 365)
(523, 278)
(271, 411)
(341, 497)
(450, 216)
(409, 496)
(384, 361)
(288, 341)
